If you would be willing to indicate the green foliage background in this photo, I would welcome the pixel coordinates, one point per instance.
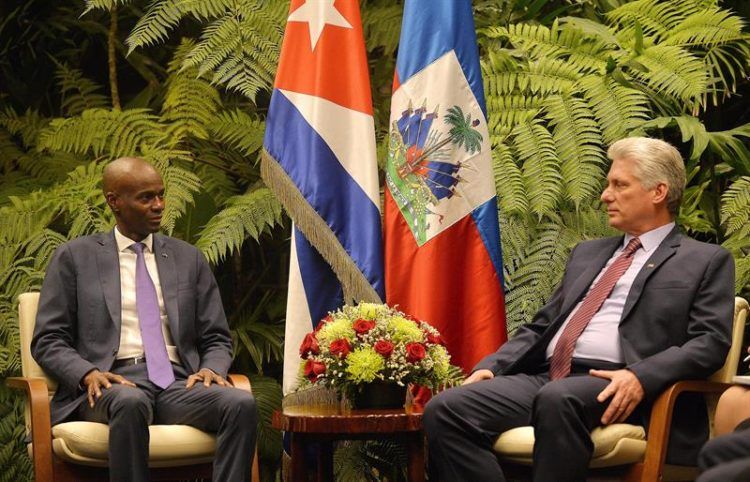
(186, 84)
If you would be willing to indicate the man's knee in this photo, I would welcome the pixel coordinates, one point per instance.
(714, 452)
(130, 402)
(240, 404)
(440, 408)
(552, 397)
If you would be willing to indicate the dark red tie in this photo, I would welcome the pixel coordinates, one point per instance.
(563, 353)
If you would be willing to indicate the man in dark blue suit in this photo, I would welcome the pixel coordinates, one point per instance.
(633, 314)
(132, 326)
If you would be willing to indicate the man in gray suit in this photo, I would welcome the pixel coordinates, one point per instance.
(132, 326)
(632, 315)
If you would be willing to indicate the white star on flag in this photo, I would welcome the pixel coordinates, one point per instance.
(318, 14)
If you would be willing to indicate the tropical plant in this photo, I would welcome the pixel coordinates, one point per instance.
(558, 94)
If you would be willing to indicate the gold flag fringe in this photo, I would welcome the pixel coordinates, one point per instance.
(355, 285)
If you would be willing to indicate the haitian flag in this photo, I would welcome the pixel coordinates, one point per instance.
(442, 241)
(319, 159)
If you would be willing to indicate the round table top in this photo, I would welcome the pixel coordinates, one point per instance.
(333, 419)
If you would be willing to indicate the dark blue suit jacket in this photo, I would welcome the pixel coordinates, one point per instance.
(676, 324)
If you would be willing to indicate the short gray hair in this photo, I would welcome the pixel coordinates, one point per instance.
(654, 162)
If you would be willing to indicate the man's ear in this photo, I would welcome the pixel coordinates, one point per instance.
(660, 193)
(112, 198)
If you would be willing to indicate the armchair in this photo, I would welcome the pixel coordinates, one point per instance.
(76, 451)
(620, 445)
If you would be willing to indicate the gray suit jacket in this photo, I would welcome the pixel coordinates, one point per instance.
(78, 322)
(676, 324)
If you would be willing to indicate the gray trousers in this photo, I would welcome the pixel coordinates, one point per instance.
(462, 424)
(228, 412)
(726, 458)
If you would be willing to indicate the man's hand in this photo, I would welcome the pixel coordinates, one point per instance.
(95, 380)
(207, 376)
(479, 375)
(626, 392)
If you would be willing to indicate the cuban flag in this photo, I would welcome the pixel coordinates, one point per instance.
(319, 158)
(442, 242)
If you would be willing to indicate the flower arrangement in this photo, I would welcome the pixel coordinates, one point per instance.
(371, 342)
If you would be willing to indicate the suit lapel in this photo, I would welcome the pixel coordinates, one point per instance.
(583, 281)
(108, 264)
(662, 253)
(165, 263)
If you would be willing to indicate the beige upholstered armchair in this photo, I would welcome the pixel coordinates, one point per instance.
(629, 445)
(75, 451)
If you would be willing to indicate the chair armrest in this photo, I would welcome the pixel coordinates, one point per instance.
(657, 437)
(240, 381)
(243, 383)
(41, 429)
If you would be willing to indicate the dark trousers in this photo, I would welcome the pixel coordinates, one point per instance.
(226, 411)
(462, 424)
(726, 458)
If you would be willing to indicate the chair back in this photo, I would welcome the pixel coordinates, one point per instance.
(27, 307)
(729, 370)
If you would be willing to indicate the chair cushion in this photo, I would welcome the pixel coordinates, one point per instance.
(518, 444)
(87, 443)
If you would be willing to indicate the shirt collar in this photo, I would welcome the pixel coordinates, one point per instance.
(123, 242)
(650, 240)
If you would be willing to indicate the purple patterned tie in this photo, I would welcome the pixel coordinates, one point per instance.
(147, 305)
(562, 355)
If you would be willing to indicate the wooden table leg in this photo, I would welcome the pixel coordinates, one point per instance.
(415, 449)
(298, 469)
(325, 461)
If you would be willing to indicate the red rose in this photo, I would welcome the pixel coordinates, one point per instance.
(384, 347)
(362, 326)
(340, 347)
(322, 323)
(309, 345)
(435, 339)
(313, 369)
(415, 352)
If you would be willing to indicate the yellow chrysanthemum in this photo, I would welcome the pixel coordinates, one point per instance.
(334, 330)
(404, 330)
(363, 365)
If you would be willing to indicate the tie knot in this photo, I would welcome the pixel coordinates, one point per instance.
(632, 246)
(137, 247)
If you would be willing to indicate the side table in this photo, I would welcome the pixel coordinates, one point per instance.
(324, 424)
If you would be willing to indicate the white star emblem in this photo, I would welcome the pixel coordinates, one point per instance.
(318, 14)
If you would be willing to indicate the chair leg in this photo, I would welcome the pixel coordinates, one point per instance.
(255, 476)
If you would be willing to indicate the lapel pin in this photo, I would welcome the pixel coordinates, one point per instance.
(650, 265)
(164, 255)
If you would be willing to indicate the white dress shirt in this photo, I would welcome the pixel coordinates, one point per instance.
(131, 344)
(600, 339)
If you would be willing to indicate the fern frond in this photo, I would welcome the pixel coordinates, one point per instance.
(506, 112)
(245, 215)
(28, 125)
(656, 17)
(102, 132)
(735, 205)
(578, 143)
(672, 71)
(706, 28)
(509, 183)
(382, 26)
(103, 4)
(78, 92)
(238, 129)
(189, 102)
(541, 171)
(163, 16)
(617, 108)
